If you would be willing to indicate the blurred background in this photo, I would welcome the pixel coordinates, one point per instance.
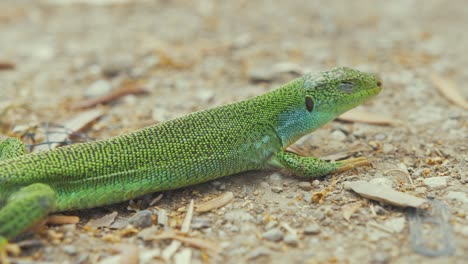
(56, 55)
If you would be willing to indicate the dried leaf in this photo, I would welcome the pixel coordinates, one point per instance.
(449, 90)
(62, 219)
(359, 116)
(349, 209)
(110, 97)
(384, 194)
(75, 124)
(170, 250)
(7, 66)
(175, 245)
(188, 219)
(156, 200)
(104, 221)
(217, 202)
(380, 227)
(194, 242)
(342, 154)
(130, 254)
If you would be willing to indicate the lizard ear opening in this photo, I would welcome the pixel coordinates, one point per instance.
(309, 102)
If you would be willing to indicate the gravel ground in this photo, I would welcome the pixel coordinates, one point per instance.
(192, 55)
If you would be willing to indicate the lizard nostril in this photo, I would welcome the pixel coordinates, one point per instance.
(379, 83)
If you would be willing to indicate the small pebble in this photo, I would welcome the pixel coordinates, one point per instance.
(305, 186)
(417, 173)
(205, 95)
(291, 239)
(276, 189)
(216, 183)
(276, 177)
(199, 223)
(307, 197)
(360, 131)
(379, 210)
(232, 228)
(420, 190)
(162, 218)
(258, 252)
(82, 258)
(70, 250)
(436, 183)
(396, 224)
(98, 88)
(382, 181)
(380, 258)
(239, 216)
(116, 65)
(270, 225)
(141, 219)
(387, 148)
(315, 183)
(312, 229)
(242, 41)
(380, 137)
(449, 124)
(460, 196)
(464, 231)
(338, 135)
(261, 74)
(44, 52)
(274, 235)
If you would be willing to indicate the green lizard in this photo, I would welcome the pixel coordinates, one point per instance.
(202, 146)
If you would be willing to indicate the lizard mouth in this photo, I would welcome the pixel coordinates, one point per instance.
(360, 97)
(371, 92)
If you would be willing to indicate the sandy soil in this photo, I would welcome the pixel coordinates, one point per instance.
(192, 55)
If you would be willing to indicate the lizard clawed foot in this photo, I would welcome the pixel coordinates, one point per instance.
(5, 249)
(348, 164)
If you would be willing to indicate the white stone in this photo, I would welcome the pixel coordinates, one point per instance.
(387, 148)
(436, 183)
(312, 229)
(382, 181)
(291, 239)
(459, 196)
(396, 224)
(98, 88)
(276, 177)
(464, 231)
(273, 235)
(376, 235)
(239, 216)
(338, 135)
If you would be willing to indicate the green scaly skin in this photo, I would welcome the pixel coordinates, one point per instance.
(202, 146)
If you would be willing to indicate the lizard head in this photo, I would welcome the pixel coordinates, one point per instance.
(319, 98)
(331, 93)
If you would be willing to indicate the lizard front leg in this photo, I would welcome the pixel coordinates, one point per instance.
(311, 167)
(22, 210)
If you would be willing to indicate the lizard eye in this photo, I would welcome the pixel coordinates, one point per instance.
(346, 87)
(309, 102)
